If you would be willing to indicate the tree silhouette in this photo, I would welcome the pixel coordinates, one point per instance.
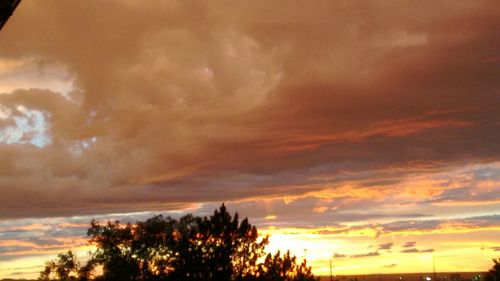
(494, 273)
(284, 268)
(114, 251)
(64, 268)
(218, 247)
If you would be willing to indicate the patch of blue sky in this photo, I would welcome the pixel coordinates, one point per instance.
(30, 127)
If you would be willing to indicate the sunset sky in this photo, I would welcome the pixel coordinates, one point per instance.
(367, 132)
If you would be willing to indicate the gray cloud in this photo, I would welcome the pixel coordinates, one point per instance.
(413, 250)
(9, 249)
(364, 255)
(385, 246)
(409, 244)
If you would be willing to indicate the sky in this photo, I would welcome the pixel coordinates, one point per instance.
(362, 132)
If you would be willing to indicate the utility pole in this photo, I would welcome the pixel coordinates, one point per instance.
(331, 270)
(434, 267)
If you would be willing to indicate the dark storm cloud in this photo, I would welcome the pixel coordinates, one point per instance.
(176, 103)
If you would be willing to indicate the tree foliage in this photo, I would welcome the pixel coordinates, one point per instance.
(494, 273)
(64, 268)
(218, 247)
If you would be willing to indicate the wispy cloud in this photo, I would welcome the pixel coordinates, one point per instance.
(409, 244)
(364, 255)
(413, 250)
(385, 246)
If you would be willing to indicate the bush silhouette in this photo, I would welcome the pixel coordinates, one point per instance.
(219, 247)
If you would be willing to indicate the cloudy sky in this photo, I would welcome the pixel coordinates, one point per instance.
(366, 132)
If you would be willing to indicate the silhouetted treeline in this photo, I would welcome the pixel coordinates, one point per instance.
(218, 247)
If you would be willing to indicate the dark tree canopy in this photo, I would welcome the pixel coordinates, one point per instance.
(219, 247)
(494, 273)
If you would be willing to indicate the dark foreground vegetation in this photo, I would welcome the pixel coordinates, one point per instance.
(494, 273)
(218, 247)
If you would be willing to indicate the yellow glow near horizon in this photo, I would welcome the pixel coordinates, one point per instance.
(452, 252)
(28, 266)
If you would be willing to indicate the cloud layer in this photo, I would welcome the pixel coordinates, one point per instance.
(173, 102)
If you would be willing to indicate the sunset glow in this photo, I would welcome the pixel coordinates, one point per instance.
(365, 133)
